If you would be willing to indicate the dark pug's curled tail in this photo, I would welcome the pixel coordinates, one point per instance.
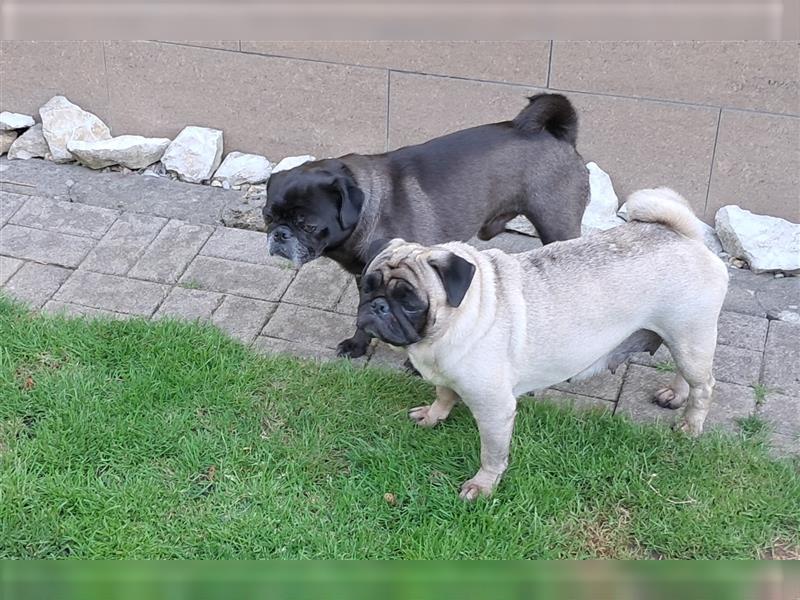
(552, 112)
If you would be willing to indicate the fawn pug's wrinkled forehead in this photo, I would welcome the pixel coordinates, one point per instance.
(404, 285)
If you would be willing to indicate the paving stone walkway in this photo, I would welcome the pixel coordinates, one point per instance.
(122, 245)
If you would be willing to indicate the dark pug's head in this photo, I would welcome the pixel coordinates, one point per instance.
(311, 208)
(405, 286)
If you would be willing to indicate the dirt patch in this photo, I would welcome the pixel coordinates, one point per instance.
(607, 535)
(781, 550)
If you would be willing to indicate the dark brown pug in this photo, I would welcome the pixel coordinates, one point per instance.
(450, 188)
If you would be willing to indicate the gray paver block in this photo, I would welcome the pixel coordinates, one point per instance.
(742, 331)
(737, 365)
(269, 346)
(244, 212)
(781, 412)
(742, 287)
(8, 266)
(171, 251)
(778, 295)
(605, 385)
(730, 401)
(238, 278)
(575, 401)
(110, 292)
(76, 310)
(636, 397)
(782, 358)
(153, 195)
(120, 248)
(35, 283)
(65, 217)
(9, 204)
(319, 284)
(348, 304)
(783, 445)
(189, 304)
(383, 356)
(44, 246)
(243, 246)
(15, 188)
(243, 318)
(45, 178)
(661, 356)
(309, 326)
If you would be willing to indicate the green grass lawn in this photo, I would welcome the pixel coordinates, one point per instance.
(140, 440)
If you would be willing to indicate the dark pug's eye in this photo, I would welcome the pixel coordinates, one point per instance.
(301, 223)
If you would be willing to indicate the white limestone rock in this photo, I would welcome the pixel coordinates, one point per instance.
(711, 240)
(10, 121)
(131, 151)
(63, 122)
(6, 139)
(766, 243)
(601, 212)
(290, 162)
(239, 168)
(194, 154)
(30, 144)
(789, 316)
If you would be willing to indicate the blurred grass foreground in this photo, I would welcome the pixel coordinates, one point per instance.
(589, 580)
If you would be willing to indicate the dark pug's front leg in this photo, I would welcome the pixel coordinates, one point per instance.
(355, 346)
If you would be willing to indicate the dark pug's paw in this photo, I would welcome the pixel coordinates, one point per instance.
(353, 347)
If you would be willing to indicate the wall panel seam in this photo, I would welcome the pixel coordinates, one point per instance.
(105, 76)
(713, 158)
(388, 104)
(490, 81)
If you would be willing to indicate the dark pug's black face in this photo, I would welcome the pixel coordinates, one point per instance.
(392, 311)
(311, 208)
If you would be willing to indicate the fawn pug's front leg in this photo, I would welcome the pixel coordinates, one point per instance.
(432, 414)
(494, 413)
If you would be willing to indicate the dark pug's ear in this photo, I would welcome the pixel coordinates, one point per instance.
(352, 199)
(456, 275)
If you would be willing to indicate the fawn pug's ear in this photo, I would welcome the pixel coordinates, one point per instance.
(456, 275)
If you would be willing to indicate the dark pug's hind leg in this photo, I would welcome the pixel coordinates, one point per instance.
(495, 226)
(354, 347)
